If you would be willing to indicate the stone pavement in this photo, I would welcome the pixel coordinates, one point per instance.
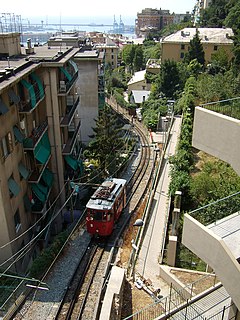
(152, 249)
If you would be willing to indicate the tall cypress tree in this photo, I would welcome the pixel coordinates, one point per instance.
(106, 140)
(195, 50)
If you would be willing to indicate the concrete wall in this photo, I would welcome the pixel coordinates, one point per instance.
(212, 249)
(87, 87)
(10, 44)
(112, 303)
(217, 135)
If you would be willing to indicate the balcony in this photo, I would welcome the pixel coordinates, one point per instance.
(68, 77)
(31, 94)
(71, 109)
(213, 233)
(41, 192)
(41, 156)
(68, 147)
(37, 134)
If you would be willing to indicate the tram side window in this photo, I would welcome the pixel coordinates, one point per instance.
(106, 216)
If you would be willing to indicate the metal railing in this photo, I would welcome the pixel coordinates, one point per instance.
(228, 107)
(217, 210)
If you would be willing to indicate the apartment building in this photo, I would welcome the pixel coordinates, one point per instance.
(40, 142)
(110, 50)
(90, 84)
(175, 46)
(152, 20)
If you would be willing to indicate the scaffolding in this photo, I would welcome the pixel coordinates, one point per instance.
(9, 22)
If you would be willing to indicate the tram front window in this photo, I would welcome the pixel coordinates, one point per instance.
(98, 215)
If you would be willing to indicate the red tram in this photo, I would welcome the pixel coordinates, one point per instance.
(105, 206)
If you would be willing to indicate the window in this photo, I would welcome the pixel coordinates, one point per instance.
(182, 46)
(112, 50)
(6, 146)
(17, 221)
(13, 97)
(112, 56)
(215, 48)
(182, 55)
(13, 187)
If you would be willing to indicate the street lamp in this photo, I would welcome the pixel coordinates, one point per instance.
(138, 223)
(135, 248)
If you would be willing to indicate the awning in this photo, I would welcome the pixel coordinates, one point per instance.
(31, 92)
(23, 171)
(66, 73)
(73, 163)
(75, 67)
(38, 192)
(41, 153)
(12, 95)
(18, 134)
(43, 149)
(3, 108)
(39, 83)
(47, 177)
(27, 203)
(13, 186)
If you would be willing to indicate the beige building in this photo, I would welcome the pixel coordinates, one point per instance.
(110, 50)
(175, 46)
(217, 243)
(139, 82)
(40, 141)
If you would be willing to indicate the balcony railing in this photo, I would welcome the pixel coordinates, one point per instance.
(67, 119)
(36, 174)
(37, 133)
(66, 85)
(68, 147)
(31, 102)
(228, 107)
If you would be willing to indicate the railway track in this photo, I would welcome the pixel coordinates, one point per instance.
(86, 302)
(85, 291)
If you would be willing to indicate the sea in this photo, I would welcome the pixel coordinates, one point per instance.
(40, 30)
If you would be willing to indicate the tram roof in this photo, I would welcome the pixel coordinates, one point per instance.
(103, 198)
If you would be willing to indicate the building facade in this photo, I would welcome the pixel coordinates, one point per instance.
(175, 46)
(40, 143)
(152, 20)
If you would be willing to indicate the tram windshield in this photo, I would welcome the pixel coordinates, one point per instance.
(98, 215)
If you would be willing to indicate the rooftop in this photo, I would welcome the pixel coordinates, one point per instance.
(17, 67)
(207, 35)
(138, 76)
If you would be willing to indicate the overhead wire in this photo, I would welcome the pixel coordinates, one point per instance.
(22, 251)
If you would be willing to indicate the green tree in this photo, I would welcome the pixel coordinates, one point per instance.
(195, 50)
(106, 141)
(215, 14)
(128, 53)
(233, 21)
(138, 58)
(220, 62)
(169, 79)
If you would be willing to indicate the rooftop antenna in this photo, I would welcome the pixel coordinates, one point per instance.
(60, 22)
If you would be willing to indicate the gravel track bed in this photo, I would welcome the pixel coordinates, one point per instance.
(92, 301)
(42, 305)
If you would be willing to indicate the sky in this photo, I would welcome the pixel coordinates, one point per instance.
(45, 9)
